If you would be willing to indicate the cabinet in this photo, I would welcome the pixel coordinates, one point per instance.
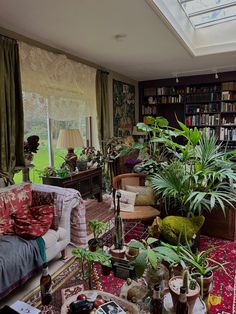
(198, 101)
(88, 182)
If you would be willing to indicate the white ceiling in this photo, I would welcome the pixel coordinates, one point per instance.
(150, 48)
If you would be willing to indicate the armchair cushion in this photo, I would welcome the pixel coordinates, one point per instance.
(144, 195)
(127, 200)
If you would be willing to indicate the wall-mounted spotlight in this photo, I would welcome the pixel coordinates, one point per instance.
(216, 76)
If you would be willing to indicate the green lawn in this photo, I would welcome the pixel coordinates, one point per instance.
(40, 161)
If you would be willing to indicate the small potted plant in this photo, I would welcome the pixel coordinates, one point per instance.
(88, 258)
(97, 227)
(149, 260)
(82, 161)
(202, 266)
(191, 286)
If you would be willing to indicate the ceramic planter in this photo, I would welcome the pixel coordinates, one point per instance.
(81, 165)
(174, 286)
(206, 281)
(93, 244)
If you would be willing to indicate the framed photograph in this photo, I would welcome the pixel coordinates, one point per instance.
(111, 308)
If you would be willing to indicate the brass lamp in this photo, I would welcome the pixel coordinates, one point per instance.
(70, 139)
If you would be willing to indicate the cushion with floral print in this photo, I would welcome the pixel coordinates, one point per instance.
(6, 223)
(47, 198)
(33, 222)
(17, 196)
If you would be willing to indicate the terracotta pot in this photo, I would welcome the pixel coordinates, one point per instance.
(174, 286)
(207, 281)
(93, 244)
(131, 253)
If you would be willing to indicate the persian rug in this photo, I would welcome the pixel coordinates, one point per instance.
(68, 281)
(99, 210)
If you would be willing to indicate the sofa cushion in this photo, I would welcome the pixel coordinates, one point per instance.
(33, 222)
(6, 224)
(50, 238)
(47, 198)
(17, 196)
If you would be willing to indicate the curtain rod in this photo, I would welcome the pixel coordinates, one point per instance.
(27, 40)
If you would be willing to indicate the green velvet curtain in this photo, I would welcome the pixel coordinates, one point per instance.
(11, 110)
(102, 107)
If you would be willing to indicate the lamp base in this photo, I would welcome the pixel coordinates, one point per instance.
(72, 157)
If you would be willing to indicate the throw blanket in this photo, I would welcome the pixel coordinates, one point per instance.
(19, 258)
(70, 197)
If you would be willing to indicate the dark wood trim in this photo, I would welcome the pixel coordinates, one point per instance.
(190, 80)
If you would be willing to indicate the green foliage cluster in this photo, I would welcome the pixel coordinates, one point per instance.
(194, 176)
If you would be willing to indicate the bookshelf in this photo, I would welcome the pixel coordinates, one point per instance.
(198, 101)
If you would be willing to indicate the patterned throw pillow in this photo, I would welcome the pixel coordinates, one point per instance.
(17, 196)
(127, 201)
(6, 224)
(33, 222)
(144, 195)
(47, 198)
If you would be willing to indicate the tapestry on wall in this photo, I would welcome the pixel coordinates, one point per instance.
(123, 108)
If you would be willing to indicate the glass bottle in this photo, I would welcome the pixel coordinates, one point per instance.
(182, 305)
(45, 285)
(157, 300)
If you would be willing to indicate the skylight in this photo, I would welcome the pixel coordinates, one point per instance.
(202, 13)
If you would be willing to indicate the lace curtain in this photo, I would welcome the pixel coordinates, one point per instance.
(66, 87)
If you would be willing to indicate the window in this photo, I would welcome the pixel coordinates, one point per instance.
(209, 12)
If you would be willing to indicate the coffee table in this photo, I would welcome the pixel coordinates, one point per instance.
(67, 281)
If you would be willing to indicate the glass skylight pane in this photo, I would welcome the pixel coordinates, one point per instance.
(214, 16)
(209, 12)
(192, 6)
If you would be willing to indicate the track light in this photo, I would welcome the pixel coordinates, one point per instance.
(216, 76)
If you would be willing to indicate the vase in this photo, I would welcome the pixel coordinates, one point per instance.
(28, 158)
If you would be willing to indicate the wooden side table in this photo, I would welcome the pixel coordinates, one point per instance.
(88, 182)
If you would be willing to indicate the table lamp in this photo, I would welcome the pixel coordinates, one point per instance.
(70, 139)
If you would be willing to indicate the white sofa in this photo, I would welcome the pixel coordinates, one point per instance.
(72, 227)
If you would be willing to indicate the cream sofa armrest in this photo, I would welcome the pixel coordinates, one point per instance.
(68, 200)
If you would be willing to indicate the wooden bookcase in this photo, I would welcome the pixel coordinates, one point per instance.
(198, 101)
(204, 102)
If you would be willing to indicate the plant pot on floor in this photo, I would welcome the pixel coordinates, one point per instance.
(93, 244)
(174, 286)
(204, 282)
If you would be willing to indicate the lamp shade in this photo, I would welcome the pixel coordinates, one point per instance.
(69, 138)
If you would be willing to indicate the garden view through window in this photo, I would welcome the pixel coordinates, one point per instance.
(36, 123)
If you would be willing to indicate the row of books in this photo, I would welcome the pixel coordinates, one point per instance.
(229, 120)
(227, 134)
(202, 97)
(228, 107)
(204, 119)
(153, 100)
(229, 86)
(204, 108)
(148, 110)
(203, 89)
(169, 90)
(208, 132)
(228, 95)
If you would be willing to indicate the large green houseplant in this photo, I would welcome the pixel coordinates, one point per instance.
(197, 175)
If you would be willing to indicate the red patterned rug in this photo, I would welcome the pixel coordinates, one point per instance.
(101, 211)
(67, 280)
